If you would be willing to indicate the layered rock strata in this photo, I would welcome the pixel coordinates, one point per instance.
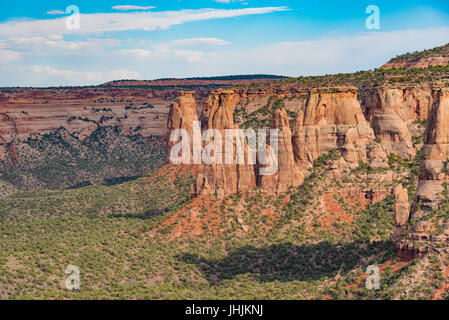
(333, 120)
(327, 119)
(182, 115)
(432, 60)
(396, 115)
(219, 178)
(428, 231)
(288, 173)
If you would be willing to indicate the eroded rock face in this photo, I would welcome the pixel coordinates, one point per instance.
(333, 119)
(393, 113)
(182, 116)
(401, 206)
(434, 165)
(224, 179)
(329, 119)
(82, 111)
(288, 173)
(433, 177)
(420, 62)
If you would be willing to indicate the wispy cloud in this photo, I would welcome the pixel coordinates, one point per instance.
(9, 56)
(45, 73)
(131, 7)
(229, 1)
(104, 22)
(328, 55)
(164, 54)
(198, 41)
(55, 12)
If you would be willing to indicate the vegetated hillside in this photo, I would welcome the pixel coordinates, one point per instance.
(54, 138)
(60, 160)
(148, 239)
(197, 81)
(442, 50)
(361, 79)
(156, 237)
(438, 56)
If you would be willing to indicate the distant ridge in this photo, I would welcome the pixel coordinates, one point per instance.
(438, 56)
(224, 78)
(198, 81)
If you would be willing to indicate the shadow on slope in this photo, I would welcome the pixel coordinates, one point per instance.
(288, 262)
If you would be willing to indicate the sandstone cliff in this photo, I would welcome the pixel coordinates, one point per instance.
(434, 162)
(222, 179)
(182, 115)
(395, 114)
(326, 119)
(419, 62)
(429, 230)
(332, 119)
(26, 112)
(288, 173)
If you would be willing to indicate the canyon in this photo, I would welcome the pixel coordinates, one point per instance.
(361, 180)
(344, 126)
(429, 230)
(321, 120)
(399, 121)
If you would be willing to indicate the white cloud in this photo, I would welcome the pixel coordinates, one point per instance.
(229, 1)
(164, 54)
(198, 41)
(8, 56)
(130, 7)
(56, 43)
(97, 57)
(193, 56)
(329, 55)
(55, 12)
(103, 22)
(74, 76)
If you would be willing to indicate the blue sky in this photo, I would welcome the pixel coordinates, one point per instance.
(184, 38)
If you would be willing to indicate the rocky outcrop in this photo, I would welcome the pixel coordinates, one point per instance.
(288, 173)
(182, 115)
(221, 179)
(327, 119)
(401, 206)
(434, 170)
(333, 119)
(26, 112)
(425, 235)
(419, 62)
(393, 113)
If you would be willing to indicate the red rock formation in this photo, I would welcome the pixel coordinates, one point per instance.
(224, 179)
(392, 112)
(424, 235)
(332, 119)
(419, 62)
(288, 173)
(401, 206)
(183, 115)
(434, 166)
(81, 111)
